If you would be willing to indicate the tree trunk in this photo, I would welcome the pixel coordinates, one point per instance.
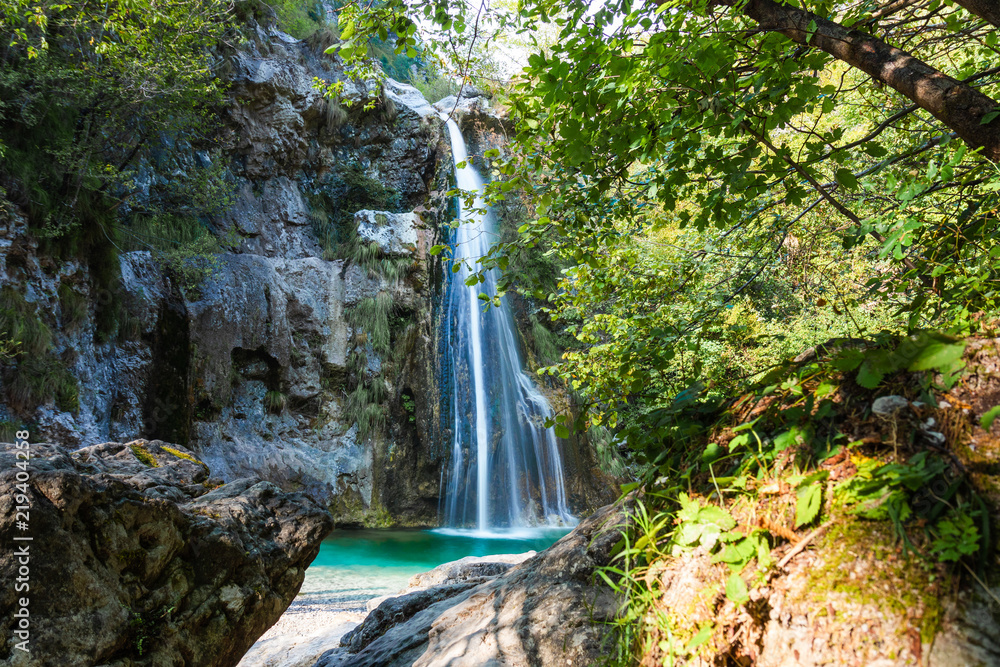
(959, 106)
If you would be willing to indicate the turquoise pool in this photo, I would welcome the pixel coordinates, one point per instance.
(354, 566)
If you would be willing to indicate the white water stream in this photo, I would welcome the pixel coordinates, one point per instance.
(506, 470)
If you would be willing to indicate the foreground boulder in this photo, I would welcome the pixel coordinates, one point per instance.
(135, 559)
(546, 610)
(316, 620)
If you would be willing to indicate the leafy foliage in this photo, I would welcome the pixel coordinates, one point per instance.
(87, 91)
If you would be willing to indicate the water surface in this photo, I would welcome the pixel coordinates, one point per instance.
(354, 566)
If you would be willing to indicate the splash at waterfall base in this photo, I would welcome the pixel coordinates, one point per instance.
(506, 470)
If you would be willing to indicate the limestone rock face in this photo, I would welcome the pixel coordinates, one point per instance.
(544, 611)
(251, 367)
(140, 564)
(394, 233)
(482, 126)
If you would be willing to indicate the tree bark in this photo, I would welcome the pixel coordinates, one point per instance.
(959, 106)
(988, 10)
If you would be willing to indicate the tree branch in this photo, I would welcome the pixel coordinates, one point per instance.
(959, 106)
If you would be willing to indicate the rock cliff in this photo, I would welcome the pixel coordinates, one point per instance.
(255, 365)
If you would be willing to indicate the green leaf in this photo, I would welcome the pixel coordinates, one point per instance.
(703, 635)
(937, 355)
(689, 508)
(870, 374)
(875, 150)
(689, 534)
(846, 178)
(791, 437)
(718, 516)
(737, 553)
(736, 589)
(562, 431)
(987, 419)
(809, 503)
(848, 360)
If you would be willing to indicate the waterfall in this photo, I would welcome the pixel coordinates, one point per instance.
(505, 469)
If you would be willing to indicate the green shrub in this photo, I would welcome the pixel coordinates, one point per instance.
(32, 375)
(183, 245)
(20, 324)
(410, 406)
(433, 85)
(298, 19)
(9, 429)
(609, 458)
(35, 381)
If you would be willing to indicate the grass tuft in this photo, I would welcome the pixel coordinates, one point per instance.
(72, 306)
(372, 315)
(19, 322)
(275, 402)
(334, 115)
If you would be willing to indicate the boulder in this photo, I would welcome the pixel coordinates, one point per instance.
(547, 610)
(135, 559)
(394, 233)
(314, 623)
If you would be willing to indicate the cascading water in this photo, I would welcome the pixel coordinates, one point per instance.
(505, 469)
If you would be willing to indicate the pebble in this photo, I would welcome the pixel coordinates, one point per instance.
(886, 406)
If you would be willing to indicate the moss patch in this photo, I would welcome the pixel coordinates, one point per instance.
(863, 562)
(181, 455)
(143, 454)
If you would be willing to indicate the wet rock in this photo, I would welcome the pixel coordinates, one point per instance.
(136, 561)
(471, 569)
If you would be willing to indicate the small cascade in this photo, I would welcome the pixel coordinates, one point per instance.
(505, 470)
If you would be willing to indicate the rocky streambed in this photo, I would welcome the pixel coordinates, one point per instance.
(518, 609)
